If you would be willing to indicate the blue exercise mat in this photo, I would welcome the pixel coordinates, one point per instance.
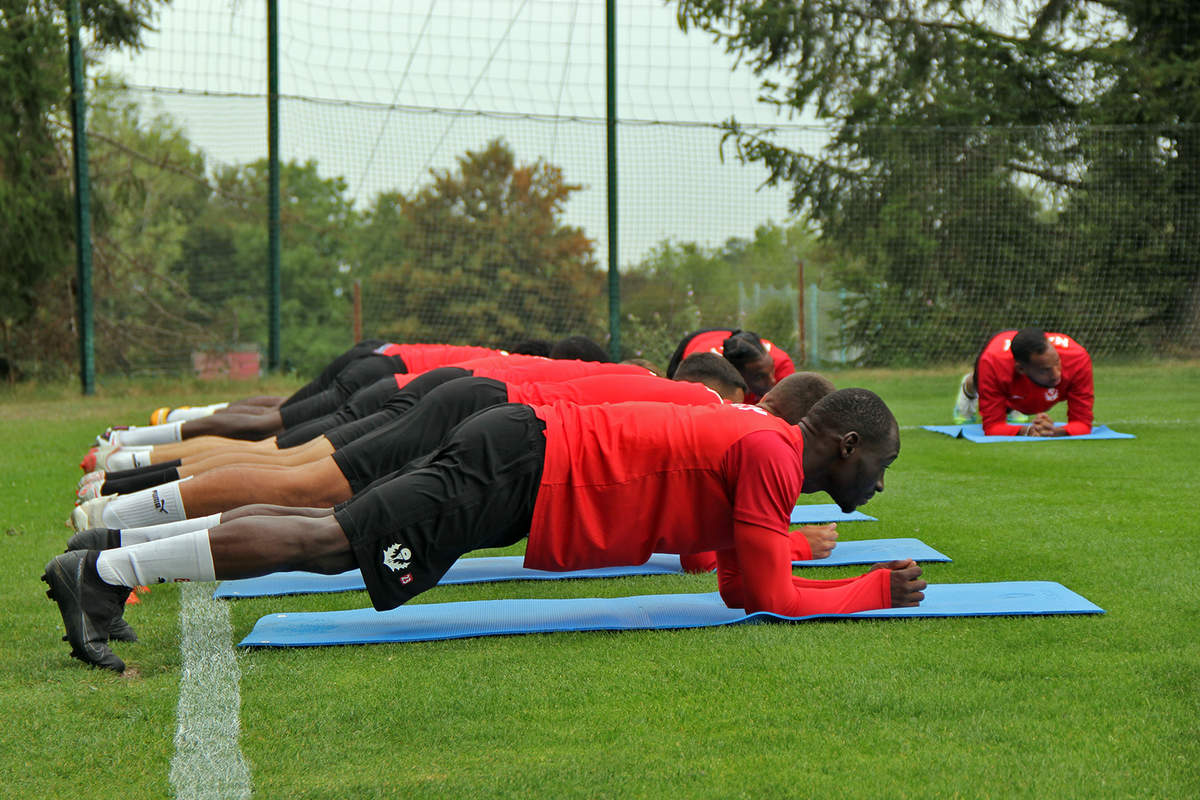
(819, 513)
(433, 621)
(974, 433)
(510, 568)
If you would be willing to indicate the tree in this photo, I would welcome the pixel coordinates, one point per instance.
(35, 179)
(684, 286)
(974, 167)
(222, 262)
(480, 255)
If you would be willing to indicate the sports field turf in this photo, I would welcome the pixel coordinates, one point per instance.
(1091, 706)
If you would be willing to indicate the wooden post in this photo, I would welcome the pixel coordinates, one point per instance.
(358, 310)
(800, 343)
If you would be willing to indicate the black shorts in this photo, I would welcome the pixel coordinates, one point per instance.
(325, 379)
(358, 375)
(417, 433)
(361, 404)
(394, 406)
(478, 490)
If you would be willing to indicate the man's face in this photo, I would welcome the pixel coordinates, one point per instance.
(760, 375)
(858, 473)
(1044, 368)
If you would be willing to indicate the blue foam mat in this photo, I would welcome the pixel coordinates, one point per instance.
(818, 513)
(974, 433)
(434, 621)
(510, 568)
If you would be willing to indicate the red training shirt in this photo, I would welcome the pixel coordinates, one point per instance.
(596, 389)
(627, 480)
(714, 342)
(1001, 387)
(422, 357)
(535, 369)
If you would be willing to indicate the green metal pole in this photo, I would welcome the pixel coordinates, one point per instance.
(273, 248)
(610, 81)
(83, 204)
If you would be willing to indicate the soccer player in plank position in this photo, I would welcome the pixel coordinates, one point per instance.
(589, 486)
(761, 362)
(369, 408)
(1028, 371)
(347, 467)
(442, 398)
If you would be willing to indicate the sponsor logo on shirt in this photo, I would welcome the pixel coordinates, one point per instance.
(1051, 395)
(397, 557)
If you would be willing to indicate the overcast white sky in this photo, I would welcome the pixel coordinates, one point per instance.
(392, 89)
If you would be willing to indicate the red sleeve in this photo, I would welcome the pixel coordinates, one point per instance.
(1080, 399)
(991, 390)
(756, 574)
(767, 479)
(707, 561)
(801, 549)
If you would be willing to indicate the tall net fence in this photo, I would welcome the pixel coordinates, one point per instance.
(445, 162)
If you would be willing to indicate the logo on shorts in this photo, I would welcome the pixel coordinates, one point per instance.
(406, 578)
(1051, 395)
(397, 557)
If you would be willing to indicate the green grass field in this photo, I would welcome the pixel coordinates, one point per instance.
(1089, 706)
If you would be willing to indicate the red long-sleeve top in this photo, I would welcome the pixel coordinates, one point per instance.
(624, 481)
(1001, 387)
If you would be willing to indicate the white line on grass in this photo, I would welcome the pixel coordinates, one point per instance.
(208, 761)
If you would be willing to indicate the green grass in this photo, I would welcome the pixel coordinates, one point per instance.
(1091, 707)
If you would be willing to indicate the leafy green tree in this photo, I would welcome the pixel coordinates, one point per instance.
(974, 169)
(680, 287)
(480, 255)
(36, 228)
(222, 262)
(148, 188)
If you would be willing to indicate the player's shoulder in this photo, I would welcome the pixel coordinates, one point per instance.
(1066, 345)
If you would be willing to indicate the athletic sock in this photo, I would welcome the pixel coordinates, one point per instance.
(187, 557)
(128, 458)
(190, 413)
(152, 533)
(167, 433)
(132, 483)
(147, 507)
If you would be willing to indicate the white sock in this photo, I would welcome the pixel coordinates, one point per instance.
(962, 387)
(146, 507)
(128, 458)
(193, 412)
(152, 533)
(187, 557)
(166, 433)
